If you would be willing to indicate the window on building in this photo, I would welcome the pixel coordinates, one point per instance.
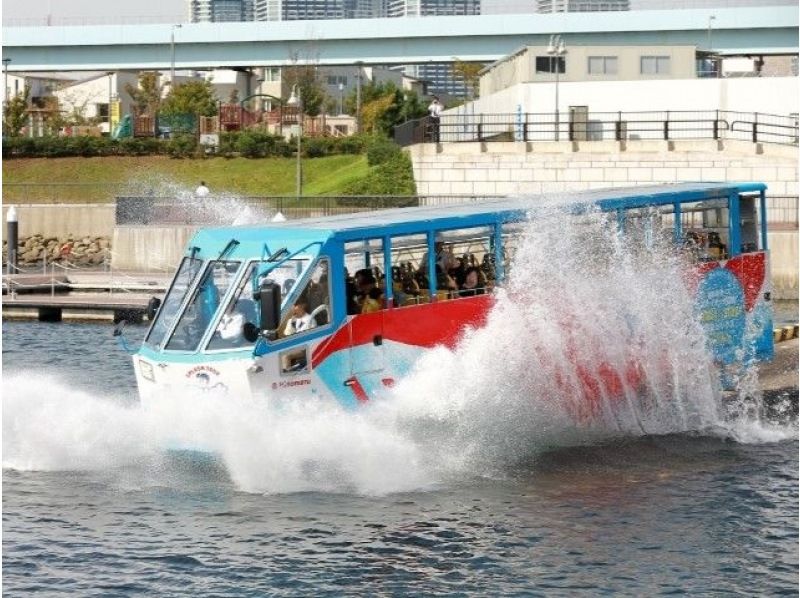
(655, 65)
(602, 65)
(549, 64)
(102, 110)
(335, 80)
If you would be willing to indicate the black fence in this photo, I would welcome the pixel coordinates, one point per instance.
(578, 125)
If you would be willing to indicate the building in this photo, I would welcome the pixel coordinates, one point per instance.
(432, 8)
(220, 11)
(98, 99)
(582, 5)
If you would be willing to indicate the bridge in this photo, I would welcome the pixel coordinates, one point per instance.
(736, 31)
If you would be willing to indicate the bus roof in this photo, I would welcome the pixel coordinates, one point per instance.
(415, 220)
(480, 213)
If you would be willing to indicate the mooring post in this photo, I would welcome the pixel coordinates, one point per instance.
(12, 237)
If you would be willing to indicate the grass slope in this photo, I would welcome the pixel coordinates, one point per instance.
(101, 179)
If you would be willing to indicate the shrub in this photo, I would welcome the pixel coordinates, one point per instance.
(393, 177)
(316, 147)
(139, 146)
(182, 146)
(382, 150)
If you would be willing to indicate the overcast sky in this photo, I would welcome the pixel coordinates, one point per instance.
(95, 10)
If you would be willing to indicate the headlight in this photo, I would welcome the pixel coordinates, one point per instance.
(146, 370)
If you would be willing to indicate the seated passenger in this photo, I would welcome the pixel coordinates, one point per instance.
(373, 301)
(301, 320)
(370, 296)
(472, 283)
(716, 248)
(351, 291)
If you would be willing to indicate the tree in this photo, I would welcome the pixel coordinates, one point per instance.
(312, 93)
(192, 97)
(384, 106)
(147, 95)
(468, 72)
(15, 113)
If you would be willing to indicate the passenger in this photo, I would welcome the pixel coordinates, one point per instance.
(716, 248)
(472, 283)
(370, 295)
(301, 320)
(444, 256)
(351, 292)
(459, 272)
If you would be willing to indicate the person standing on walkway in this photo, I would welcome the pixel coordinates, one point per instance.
(435, 113)
(202, 190)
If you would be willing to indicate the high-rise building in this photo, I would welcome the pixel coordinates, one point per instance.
(582, 5)
(312, 10)
(432, 8)
(220, 11)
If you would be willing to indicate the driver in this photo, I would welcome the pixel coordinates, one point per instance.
(301, 320)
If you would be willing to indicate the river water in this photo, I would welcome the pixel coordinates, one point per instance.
(705, 513)
(479, 476)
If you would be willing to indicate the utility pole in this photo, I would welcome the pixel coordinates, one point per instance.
(5, 77)
(359, 64)
(557, 48)
(172, 63)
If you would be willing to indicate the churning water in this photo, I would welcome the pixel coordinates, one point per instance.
(488, 468)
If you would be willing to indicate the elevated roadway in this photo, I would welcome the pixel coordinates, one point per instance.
(760, 30)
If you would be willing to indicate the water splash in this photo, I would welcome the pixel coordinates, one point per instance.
(592, 338)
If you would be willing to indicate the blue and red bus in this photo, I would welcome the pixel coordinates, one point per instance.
(343, 306)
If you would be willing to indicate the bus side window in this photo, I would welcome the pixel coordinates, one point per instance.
(748, 222)
(704, 227)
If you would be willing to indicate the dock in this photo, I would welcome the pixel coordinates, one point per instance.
(81, 296)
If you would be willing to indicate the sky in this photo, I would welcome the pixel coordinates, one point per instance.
(94, 11)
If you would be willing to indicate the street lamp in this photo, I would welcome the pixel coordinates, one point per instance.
(711, 19)
(110, 99)
(359, 64)
(5, 77)
(556, 49)
(295, 99)
(172, 62)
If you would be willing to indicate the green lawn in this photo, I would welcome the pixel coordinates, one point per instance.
(101, 179)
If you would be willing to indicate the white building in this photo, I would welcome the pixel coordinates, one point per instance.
(91, 97)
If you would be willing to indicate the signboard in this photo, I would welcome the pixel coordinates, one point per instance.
(209, 139)
(116, 109)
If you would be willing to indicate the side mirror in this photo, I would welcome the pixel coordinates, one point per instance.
(152, 308)
(269, 295)
(250, 332)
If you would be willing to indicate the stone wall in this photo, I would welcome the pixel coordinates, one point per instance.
(64, 220)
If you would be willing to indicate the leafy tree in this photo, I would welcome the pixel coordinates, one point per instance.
(15, 113)
(312, 92)
(468, 72)
(147, 95)
(192, 97)
(384, 106)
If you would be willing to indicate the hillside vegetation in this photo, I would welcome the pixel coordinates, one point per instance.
(100, 179)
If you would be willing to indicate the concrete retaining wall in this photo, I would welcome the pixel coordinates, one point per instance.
(149, 248)
(784, 263)
(60, 220)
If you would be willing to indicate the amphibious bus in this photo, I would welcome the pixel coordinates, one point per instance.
(342, 306)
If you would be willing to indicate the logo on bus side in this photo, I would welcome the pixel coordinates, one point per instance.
(201, 377)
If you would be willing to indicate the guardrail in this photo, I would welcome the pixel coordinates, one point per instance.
(138, 210)
(601, 126)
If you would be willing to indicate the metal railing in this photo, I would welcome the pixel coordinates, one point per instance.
(782, 212)
(602, 126)
(222, 211)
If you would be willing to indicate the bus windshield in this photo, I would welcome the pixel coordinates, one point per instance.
(185, 277)
(202, 307)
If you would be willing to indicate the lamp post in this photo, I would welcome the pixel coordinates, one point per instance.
(556, 49)
(172, 62)
(5, 78)
(295, 99)
(110, 98)
(711, 19)
(359, 64)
